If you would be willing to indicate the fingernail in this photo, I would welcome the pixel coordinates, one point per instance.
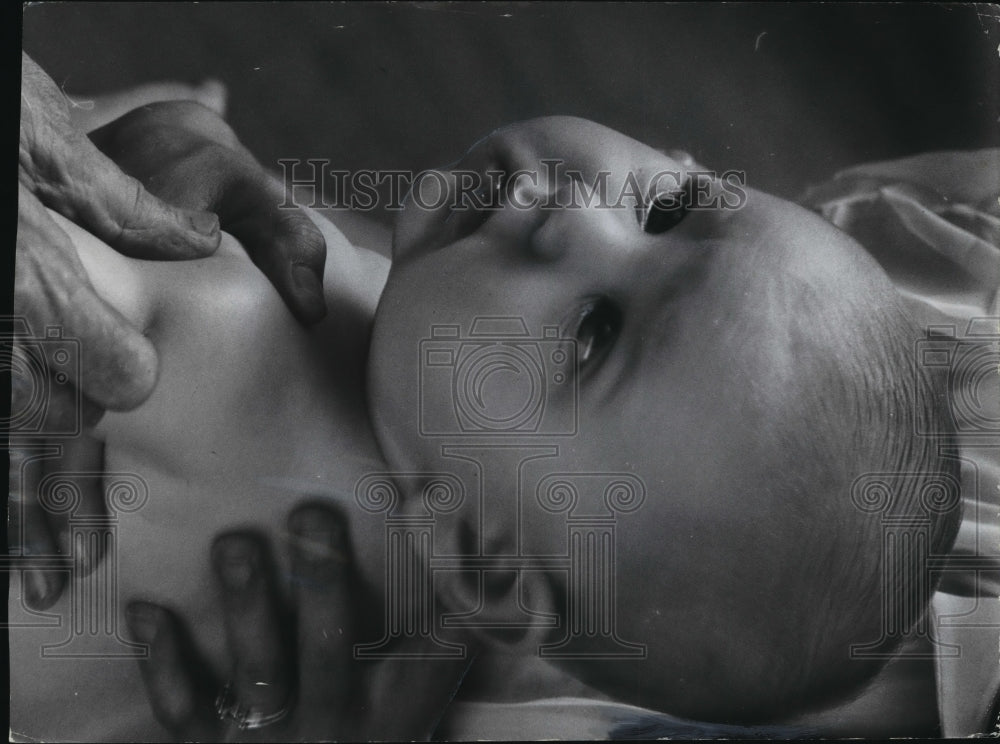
(305, 277)
(205, 223)
(312, 309)
(41, 588)
(306, 280)
(310, 302)
(143, 621)
(235, 562)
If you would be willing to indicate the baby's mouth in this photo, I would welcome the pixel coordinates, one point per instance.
(506, 606)
(462, 221)
(457, 214)
(471, 209)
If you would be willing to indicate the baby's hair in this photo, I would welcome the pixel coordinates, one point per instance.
(834, 399)
(867, 402)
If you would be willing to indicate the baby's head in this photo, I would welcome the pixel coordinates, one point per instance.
(747, 364)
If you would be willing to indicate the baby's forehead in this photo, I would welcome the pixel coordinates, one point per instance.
(741, 324)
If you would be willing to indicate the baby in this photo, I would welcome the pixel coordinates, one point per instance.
(740, 367)
(747, 364)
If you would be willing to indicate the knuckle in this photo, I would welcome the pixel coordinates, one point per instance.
(131, 196)
(134, 217)
(46, 161)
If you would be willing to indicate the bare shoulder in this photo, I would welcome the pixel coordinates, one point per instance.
(145, 291)
(225, 286)
(116, 278)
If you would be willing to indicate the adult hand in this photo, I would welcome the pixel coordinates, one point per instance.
(289, 681)
(179, 150)
(188, 155)
(59, 168)
(71, 355)
(185, 152)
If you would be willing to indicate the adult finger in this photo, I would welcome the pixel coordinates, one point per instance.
(67, 410)
(44, 396)
(282, 241)
(50, 492)
(187, 155)
(178, 685)
(77, 472)
(105, 356)
(69, 174)
(261, 682)
(322, 578)
(30, 536)
(118, 209)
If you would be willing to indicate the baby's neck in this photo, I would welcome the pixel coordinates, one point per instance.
(353, 280)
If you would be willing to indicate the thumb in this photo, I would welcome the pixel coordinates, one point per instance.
(297, 265)
(283, 243)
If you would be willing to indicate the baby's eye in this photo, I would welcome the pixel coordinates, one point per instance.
(598, 326)
(665, 210)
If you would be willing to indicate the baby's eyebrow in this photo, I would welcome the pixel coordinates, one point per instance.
(684, 267)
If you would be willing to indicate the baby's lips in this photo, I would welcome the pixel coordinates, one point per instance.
(425, 210)
(462, 221)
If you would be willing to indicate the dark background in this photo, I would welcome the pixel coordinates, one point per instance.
(787, 92)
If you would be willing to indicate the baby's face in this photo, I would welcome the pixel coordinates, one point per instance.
(684, 354)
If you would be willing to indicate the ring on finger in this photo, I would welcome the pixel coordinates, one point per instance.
(227, 707)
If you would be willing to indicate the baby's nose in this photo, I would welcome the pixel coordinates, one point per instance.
(529, 192)
(516, 162)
